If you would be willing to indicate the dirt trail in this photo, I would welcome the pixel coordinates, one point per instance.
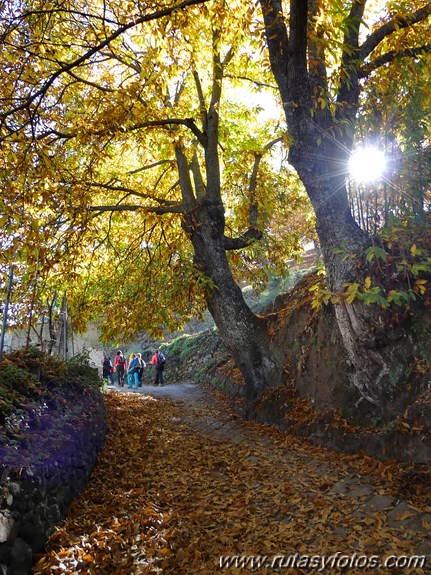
(183, 486)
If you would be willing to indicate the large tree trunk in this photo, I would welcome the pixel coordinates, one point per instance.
(321, 139)
(362, 327)
(243, 333)
(341, 239)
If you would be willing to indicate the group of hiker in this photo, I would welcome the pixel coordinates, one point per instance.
(131, 370)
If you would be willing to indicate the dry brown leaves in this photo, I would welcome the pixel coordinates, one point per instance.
(166, 497)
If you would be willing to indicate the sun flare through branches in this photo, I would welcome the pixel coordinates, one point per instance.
(367, 164)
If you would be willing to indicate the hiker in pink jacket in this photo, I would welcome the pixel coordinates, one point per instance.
(120, 367)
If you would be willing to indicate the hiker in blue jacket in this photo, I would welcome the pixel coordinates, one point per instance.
(132, 374)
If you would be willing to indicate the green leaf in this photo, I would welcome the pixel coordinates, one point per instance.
(376, 252)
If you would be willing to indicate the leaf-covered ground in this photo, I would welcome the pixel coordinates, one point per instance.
(180, 484)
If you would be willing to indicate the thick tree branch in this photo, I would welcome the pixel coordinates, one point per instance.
(298, 32)
(353, 23)
(348, 93)
(56, 133)
(277, 41)
(243, 241)
(188, 122)
(387, 29)
(253, 209)
(181, 86)
(217, 71)
(349, 89)
(150, 166)
(189, 199)
(212, 162)
(197, 178)
(298, 105)
(253, 233)
(114, 188)
(316, 58)
(272, 143)
(202, 106)
(366, 70)
(228, 58)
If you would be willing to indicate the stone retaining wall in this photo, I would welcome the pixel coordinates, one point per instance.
(43, 471)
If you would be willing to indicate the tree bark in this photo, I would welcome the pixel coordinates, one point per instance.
(342, 242)
(321, 140)
(243, 333)
(51, 327)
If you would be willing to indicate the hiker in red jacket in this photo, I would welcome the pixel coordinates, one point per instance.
(159, 361)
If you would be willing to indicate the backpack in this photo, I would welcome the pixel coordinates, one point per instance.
(107, 363)
(161, 359)
(121, 360)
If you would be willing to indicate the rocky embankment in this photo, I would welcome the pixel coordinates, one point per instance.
(316, 399)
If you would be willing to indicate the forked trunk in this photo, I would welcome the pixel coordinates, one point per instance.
(243, 333)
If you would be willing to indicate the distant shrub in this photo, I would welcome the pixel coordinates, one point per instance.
(278, 285)
(80, 372)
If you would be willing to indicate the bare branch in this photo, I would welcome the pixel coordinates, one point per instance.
(150, 166)
(171, 209)
(93, 84)
(114, 188)
(188, 122)
(56, 133)
(251, 80)
(31, 13)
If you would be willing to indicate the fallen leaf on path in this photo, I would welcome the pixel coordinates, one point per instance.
(168, 497)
